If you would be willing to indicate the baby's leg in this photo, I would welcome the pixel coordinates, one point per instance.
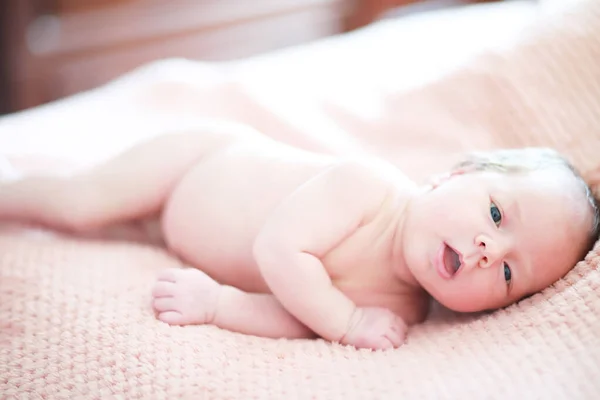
(133, 185)
(189, 296)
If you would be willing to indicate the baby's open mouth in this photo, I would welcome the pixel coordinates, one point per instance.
(451, 260)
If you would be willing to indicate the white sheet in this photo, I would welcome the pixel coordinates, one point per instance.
(349, 75)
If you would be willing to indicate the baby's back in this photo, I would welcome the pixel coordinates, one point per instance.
(218, 208)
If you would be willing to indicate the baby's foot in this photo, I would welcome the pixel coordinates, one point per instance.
(185, 296)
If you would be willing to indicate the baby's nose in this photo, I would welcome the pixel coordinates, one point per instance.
(492, 251)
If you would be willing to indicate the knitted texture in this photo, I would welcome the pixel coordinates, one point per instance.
(76, 321)
(545, 91)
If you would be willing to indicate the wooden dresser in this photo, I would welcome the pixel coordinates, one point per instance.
(54, 48)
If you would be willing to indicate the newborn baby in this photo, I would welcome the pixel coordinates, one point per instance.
(287, 243)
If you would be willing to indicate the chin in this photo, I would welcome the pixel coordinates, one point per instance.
(461, 306)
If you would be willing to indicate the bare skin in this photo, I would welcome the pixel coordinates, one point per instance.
(287, 243)
(284, 243)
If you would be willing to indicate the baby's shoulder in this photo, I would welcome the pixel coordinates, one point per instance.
(369, 187)
(374, 171)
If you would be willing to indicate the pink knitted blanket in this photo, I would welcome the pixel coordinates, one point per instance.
(75, 316)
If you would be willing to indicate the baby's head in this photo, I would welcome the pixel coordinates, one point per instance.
(499, 227)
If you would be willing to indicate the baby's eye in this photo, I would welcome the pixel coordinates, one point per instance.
(507, 274)
(495, 213)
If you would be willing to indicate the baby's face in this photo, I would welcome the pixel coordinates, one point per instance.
(483, 240)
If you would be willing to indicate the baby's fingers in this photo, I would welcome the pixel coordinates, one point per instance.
(397, 332)
(384, 343)
(394, 338)
(398, 325)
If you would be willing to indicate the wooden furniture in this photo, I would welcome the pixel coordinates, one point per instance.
(54, 48)
(364, 12)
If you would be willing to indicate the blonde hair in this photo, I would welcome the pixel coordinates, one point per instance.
(530, 159)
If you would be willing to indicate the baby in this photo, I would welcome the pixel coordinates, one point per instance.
(288, 243)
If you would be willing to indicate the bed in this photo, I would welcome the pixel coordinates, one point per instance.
(417, 90)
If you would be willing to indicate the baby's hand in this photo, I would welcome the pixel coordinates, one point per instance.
(375, 328)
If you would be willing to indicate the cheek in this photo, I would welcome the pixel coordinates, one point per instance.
(469, 294)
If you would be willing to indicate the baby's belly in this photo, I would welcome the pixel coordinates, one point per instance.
(215, 213)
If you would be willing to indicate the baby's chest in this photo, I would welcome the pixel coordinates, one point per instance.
(360, 271)
(364, 273)
(373, 290)
(361, 255)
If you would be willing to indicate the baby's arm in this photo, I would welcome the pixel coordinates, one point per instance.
(312, 221)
